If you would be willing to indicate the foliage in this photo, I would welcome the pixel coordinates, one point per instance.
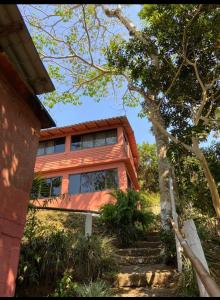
(188, 283)
(148, 167)
(123, 217)
(49, 252)
(168, 240)
(68, 288)
(192, 186)
(97, 288)
(93, 256)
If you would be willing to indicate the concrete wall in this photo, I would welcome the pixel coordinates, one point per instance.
(19, 131)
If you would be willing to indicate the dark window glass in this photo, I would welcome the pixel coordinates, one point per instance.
(45, 188)
(87, 183)
(95, 139)
(99, 180)
(76, 142)
(74, 184)
(40, 150)
(48, 187)
(99, 139)
(111, 137)
(93, 181)
(111, 179)
(55, 186)
(87, 141)
(59, 145)
(51, 146)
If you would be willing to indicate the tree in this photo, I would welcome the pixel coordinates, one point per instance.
(192, 185)
(148, 167)
(76, 51)
(153, 63)
(179, 73)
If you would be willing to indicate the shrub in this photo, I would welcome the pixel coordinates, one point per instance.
(93, 256)
(66, 287)
(97, 288)
(124, 217)
(188, 283)
(169, 243)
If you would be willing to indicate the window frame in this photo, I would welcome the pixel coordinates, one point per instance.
(80, 192)
(93, 134)
(39, 196)
(45, 142)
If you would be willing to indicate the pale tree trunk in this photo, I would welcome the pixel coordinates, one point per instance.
(164, 167)
(210, 179)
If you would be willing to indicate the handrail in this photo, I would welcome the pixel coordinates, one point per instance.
(210, 285)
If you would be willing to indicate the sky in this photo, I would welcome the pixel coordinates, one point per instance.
(66, 114)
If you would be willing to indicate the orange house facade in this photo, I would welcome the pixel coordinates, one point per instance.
(83, 163)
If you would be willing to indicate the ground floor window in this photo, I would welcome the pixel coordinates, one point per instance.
(46, 187)
(93, 181)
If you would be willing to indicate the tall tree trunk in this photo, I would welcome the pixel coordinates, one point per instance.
(164, 167)
(210, 179)
(164, 173)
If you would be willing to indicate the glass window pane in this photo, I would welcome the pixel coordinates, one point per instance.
(99, 139)
(56, 186)
(40, 150)
(87, 183)
(45, 188)
(74, 184)
(59, 145)
(50, 147)
(111, 137)
(99, 180)
(76, 142)
(87, 141)
(111, 179)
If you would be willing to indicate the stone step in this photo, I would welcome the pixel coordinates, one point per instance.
(143, 276)
(144, 292)
(138, 251)
(146, 244)
(152, 238)
(137, 260)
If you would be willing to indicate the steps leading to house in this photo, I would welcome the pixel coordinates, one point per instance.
(142, 271)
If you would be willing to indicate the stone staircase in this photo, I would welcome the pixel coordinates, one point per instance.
(142, 271)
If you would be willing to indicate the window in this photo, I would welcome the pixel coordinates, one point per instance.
(51, 146)
(94, 139)
(47, 187)
(93, 181)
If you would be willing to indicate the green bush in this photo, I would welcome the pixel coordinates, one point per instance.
(169, 243)
(97, 288)
(93, 256)
(188, 283)
(125, 217)
(68, 288)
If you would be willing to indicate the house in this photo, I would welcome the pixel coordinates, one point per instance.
(22, 77)
(82, 163)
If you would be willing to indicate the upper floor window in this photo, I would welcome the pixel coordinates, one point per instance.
(94, 139)
(93, 181)
(46, 187)
(51, 146)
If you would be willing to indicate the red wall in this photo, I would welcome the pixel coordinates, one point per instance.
(85, 201)
(19, 131)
